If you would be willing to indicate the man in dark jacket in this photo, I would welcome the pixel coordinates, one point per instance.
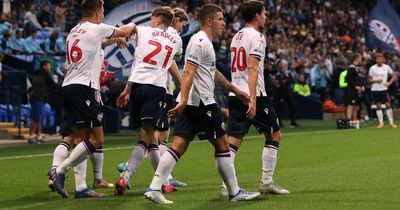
(38, 95)
(354, 90)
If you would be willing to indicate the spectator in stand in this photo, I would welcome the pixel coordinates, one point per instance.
(51, 46)
(319, 77)
(60, 42)
(72, 15)
(6, 41)
(59, 16)
(17, 43)
(4, 26)
(1, 67)
(30, 15)
(284, 80)
(38, 95)
(44, 17)
(33, 45)
(301, 87)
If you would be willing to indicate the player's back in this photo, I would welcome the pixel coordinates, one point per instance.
(154, 54)
(83, 53)
(247, 42)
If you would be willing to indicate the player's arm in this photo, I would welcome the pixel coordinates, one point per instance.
(253, 77)
(187, 81)
(174, 71)
(127, 30)
(223, 82)
(121, 41)
(123, 98)
(392, 79)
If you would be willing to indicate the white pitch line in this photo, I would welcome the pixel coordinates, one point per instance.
(130, 147)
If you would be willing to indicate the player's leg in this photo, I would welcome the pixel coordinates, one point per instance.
(223, 159)
(162, 134)
(389, 110)
(59, 155)
(269, 160)
(97, 159)
(183, 133)
(86, 112)
(165, 167)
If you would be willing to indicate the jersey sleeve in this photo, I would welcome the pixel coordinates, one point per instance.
(370, 72)
(179, 52)
(106, 31)
(257, 47)
(195, 54)
(390, 70)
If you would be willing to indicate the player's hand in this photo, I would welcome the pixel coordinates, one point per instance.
(359, 88)
(251, 111)
(177, 110)
(123, 99)
(134, 30)
(378, 81)
(122, 42)
(243, 96)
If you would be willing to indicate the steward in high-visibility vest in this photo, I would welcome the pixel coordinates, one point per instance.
(342, 79)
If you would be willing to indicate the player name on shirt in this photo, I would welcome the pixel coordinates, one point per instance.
(165, 35)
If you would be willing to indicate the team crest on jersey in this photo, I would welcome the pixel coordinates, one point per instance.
(223, 126)
(266, 110)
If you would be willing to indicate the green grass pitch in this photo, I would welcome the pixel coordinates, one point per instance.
(323, 168)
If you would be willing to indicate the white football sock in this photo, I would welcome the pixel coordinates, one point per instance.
(97, 158)
(136, 158)
(80, 176)
(167, 163)
(269, 158)
(79, 154)
(389, 114)
(226, 170)
(379, 115)
(60, 154)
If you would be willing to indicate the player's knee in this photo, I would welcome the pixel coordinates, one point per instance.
(388, 106)
(277, 136)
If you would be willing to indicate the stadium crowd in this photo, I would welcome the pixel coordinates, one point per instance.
(310, 39)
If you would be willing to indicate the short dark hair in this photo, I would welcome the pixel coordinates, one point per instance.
(207, 11)
(90, 7)
(166, 14)
(250, 8)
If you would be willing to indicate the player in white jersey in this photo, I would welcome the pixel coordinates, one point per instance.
(81, 103)
(96, 157)
(198, 111)
(156, 48)
(178, 23)
(247, 68)
(378, 76)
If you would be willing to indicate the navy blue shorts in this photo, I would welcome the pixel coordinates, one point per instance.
(381, 96)
(265, 119)
(82, 106)
(207, 120)
(353, 97)
(147, 104)
(66, 126)
(163, 123)
(36, 109)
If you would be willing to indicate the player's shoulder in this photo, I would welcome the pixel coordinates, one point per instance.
(250, 33)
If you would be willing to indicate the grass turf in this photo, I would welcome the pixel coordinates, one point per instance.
(323, 168)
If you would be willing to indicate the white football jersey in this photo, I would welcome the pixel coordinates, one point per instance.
(380, 72)
(247, 42)
(177, 58)
(200, 52)
(154, 53)
(84, 56)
